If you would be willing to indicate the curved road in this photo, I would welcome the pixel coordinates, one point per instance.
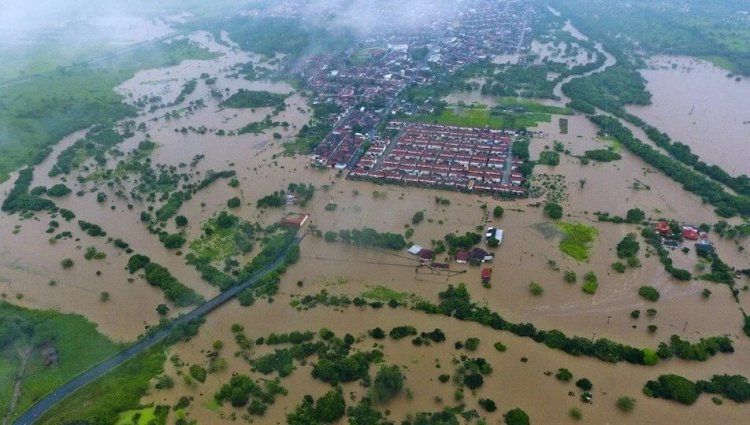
(43, 405)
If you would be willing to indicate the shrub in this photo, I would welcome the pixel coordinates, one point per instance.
(473, 380)
(563, 375)
(625, 404)
(198, 373)
(58, 190)
(234, 202)
(584, 384)
(472, 344)
(388, 382)
(330, 236)
(649, 293)
(66, 263)
(619, 267)
(575, 413)
(377, 333)
(181, 221)
(672, 387)
(487, 404)
(402, 331)
(516, 417)
(417, 218)
(570, 276)
(590, 283)
(499, 346)
(536, 289)
(553, 210)
(498, 212)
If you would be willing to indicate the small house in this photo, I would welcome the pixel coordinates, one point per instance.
(690, 233)
(295, 221)
(462, 257)
(414, 249)
(663, 228)
(425, 255)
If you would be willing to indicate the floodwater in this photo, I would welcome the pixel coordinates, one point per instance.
(696, 103)
(511, 384)
(28, 262)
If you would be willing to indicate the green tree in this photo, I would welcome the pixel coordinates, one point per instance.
(625, 404)
(418, 217)
(498, 212)
(516, 417)
(389, 381)
(649, 292)
(234, 202)
(584, 384)
(553, 210)
(331, 406)
(564, 375)
(181, 221)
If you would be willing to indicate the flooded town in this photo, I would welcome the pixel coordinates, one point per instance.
(476, 212)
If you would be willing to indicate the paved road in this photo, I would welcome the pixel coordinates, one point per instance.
(36, 411)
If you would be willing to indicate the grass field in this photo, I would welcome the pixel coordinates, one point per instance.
(509, 113)
(78, 343)
(124, 388)
(578, 239)
(146, 415)
(384, 293)
(36, 114)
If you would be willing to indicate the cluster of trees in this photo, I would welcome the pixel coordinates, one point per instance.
(327, 409)
(159, 276)
(173, 204)
(187, 89)
(274, 200)
(633, 216)
(369, 237)
(241, 388)
(602, 155)
(466, 241)
(700, 351)
(91, 229)
(610, 90)
(58, 190)
(550, 158)
(253, 99)
(727, 204)
(456, 302)
(19, 199)
(95, 144)
(211, 176)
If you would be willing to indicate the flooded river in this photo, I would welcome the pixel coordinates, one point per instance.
(696, 103)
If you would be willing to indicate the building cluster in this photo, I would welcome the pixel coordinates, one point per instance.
(455, 158)
(673, 239)
(362, 86)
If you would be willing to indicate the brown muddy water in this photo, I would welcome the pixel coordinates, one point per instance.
(529, 253)
(696, 103)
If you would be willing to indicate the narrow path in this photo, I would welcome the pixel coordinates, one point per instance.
(24, 353)
(37, 410)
